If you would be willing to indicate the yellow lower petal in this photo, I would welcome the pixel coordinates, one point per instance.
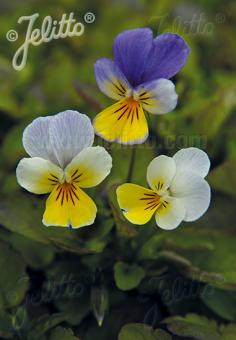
(123, 122)
(69, 206)
(137, 203)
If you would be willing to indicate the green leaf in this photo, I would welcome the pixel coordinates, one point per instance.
(128, 276)
(153, 246)
(6, 328)
(67, 288)
(12, 148)
(61, 333)
(8, 99)
(199, 327)
(222, 104)
(22, 214)
(161, 334)
(121, 159)
(39, 326)
(21, 321)
(193, 325)
(221, 302)
(142, 332)
(188, 248)
(228, 331)
(95, 245)
(13, 278)
(35, 254)
(75, 309)
(223, 177)
(97, 238)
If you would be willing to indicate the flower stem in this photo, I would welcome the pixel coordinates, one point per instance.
(131, 164)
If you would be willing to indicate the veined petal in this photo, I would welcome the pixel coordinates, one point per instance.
(58, 138)
(70, 132)
(123, 122)
(168, 55)
(90, 167)
(160, 173)
(131, 49)
(36, 139)
(137, 203)
(110, 79)
(194, 192)
(158, 96)
(170, 213)
(192, 159)
(38, 175)
(69, 206)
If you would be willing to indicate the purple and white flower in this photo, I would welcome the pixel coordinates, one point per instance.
(138, 79)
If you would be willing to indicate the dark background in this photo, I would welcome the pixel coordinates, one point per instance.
(54, 283)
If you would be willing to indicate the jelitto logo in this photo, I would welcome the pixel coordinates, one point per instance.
(50, 30)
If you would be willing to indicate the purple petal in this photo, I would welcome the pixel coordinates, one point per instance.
(110, 79)
(131, 50)
(168, 56)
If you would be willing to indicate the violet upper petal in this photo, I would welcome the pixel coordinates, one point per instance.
(131, 49)
(168, 55)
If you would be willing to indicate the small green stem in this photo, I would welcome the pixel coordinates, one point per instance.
(131, 164)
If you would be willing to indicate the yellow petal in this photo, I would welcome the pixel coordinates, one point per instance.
(138, 203)
(123, 122)
(90, 167)
(38, 175)
(69, 206)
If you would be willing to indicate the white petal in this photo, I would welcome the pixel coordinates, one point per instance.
(36, 139)
(38, 175)
(70, 132)
(170, 214)
(160, 173)
(194, 192)
(158, 96)
(90, 167)
(192, 159)
(110, 79)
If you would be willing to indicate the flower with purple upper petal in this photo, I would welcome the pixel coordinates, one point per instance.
(138, 79)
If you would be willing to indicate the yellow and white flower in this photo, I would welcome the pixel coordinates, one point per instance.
(178, 191)
(62, 162)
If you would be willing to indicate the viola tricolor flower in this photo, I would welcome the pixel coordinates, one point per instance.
(178, 191)
(62, 162)
(138, 79)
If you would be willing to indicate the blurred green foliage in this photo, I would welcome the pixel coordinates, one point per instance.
(142, 282)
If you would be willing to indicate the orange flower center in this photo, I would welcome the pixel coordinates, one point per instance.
(132, 103)
(67, 192)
